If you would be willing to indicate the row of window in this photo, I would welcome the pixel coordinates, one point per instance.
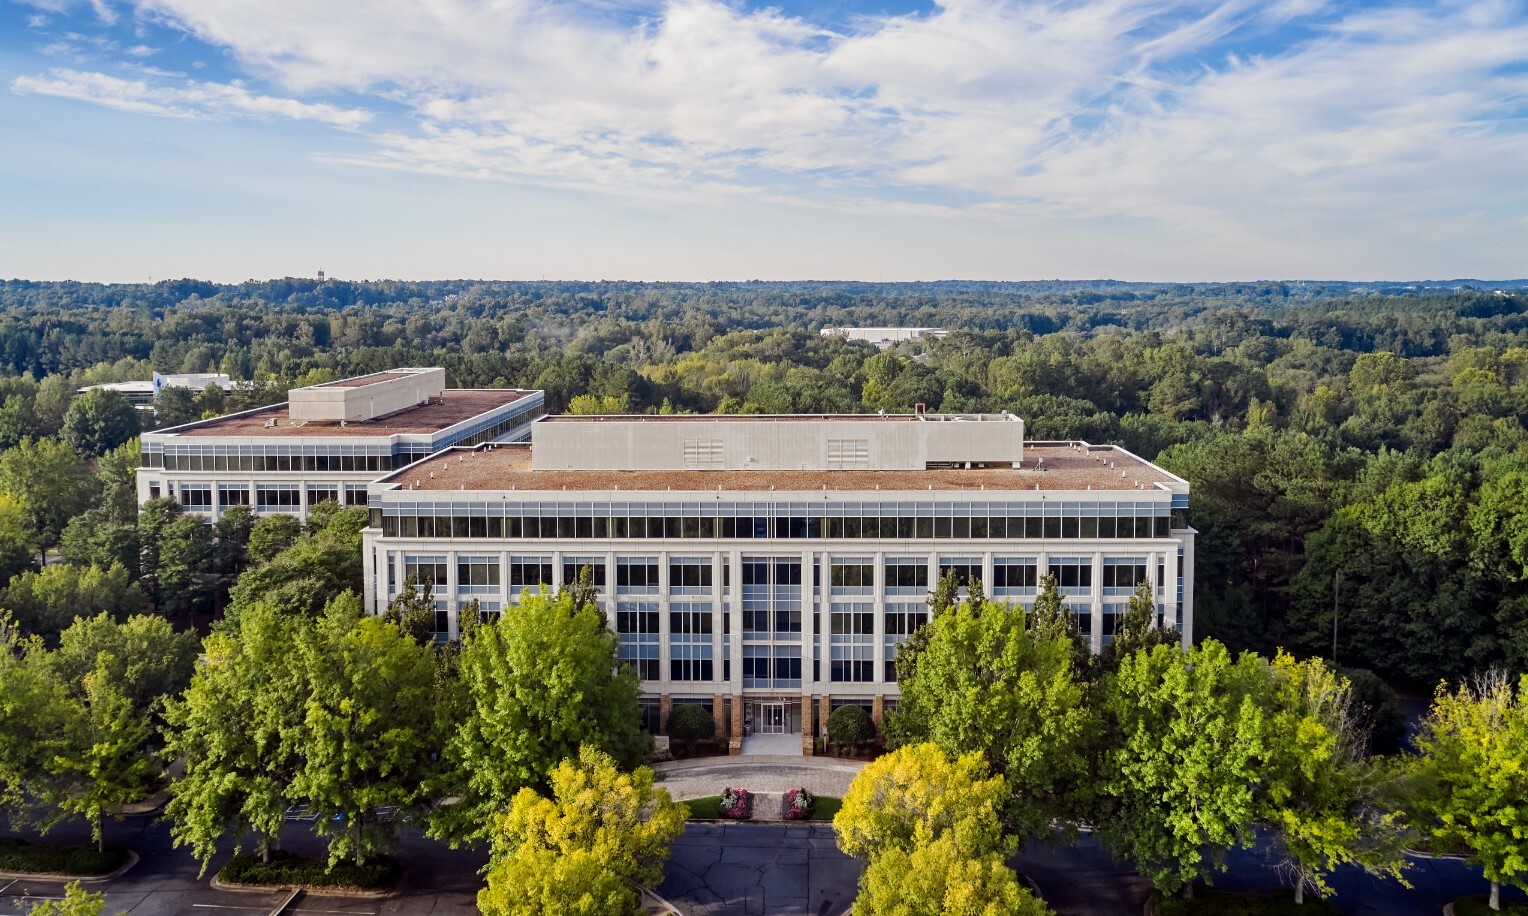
(797, 528)
(639, 575)
(266, 496)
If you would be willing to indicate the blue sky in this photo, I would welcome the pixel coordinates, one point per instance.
(698, 139)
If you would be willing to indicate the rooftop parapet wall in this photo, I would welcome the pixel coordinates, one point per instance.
(366, 397)
(823, 443)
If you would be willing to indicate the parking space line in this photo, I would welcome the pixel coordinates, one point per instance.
(339, 912)
(226, 906)
(8, 886)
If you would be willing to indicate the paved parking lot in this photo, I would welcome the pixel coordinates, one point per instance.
(438, 881)
(754, 869)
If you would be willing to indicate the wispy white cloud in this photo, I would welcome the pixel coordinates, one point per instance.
(1407, 116)
(188, 100)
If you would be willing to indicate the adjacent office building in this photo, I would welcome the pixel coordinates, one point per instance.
(326, 442)
(770, 567)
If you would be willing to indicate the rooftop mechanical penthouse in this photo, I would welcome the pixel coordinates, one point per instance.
(326, 442)
(769, 567)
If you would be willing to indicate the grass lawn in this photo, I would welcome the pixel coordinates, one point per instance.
(285, 868)
(710, 808)
(706, 809)
(84, 860)
(1274, 903)
(1477, 906)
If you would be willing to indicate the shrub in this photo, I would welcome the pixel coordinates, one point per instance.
(737, 804)
(21, 856)
(690, 723)
(286, 868)
(798, 804)
(850, 726)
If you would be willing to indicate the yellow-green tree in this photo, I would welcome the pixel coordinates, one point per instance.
(585, 850)
(1320, 791)
(1472, 777)
(916, 795)
(939, 880)
(76, 902)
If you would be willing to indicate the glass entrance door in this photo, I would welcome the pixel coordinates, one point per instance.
(774, 719)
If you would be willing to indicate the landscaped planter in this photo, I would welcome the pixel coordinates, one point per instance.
(737, 804)
(798, 804)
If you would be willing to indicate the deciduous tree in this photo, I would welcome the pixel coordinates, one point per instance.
(1180, 781)
(368, 739)
(994, 681)
(586, 849)
(99, 420)
(916, 795)
(1472, 777)
(231, 726)
(938, 879)
(540, 682)
(52, 483)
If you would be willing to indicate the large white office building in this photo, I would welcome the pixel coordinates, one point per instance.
(769, 567)
(326, 442)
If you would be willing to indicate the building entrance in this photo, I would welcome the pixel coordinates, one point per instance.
(773, 719)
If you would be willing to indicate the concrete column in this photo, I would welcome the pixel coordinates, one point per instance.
(718, 715)
(878, 647)
(504, 595)
(988, 576)
(808, 740)
(1097, 598)
(809, 626)
(664, 652)
(735, 612)
(450, 597)
(1186, 538)
(369, 574)
(718, 563)
(610, 589)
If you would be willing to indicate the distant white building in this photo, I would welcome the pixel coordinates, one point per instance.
(885, 337)
(142, 394)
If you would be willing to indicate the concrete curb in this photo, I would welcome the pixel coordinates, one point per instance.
(129, 862)
(755, 761)
(354, 893)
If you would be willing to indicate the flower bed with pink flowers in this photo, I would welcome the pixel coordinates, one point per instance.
(798, 804)
(737, 804)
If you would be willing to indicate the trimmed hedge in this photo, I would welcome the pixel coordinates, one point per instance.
(285, 868)
(84, 860)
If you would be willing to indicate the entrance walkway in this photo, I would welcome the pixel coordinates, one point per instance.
(705, 776)
(788, 745)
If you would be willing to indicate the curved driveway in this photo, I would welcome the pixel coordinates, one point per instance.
(705, 776)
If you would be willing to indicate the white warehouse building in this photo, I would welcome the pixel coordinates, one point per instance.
(769, 567)
(326, 442)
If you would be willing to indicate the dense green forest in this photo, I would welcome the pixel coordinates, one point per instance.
(1370, 433)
